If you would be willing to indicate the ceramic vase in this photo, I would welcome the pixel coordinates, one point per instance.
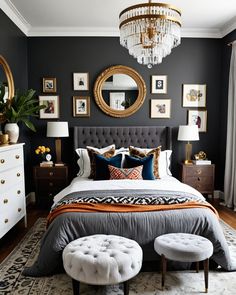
(12, 129)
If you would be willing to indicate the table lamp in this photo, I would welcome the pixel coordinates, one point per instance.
(188, 133)
(57, 129)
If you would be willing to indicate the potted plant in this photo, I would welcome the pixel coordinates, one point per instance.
(20, 109)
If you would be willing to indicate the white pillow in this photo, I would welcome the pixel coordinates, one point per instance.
(84, 160)
(163, 163)
(123, 151)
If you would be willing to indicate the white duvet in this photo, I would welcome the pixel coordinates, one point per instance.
(166, 183)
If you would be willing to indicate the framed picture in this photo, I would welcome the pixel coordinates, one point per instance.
(160, 108)
(159, 84)
(49, 85)
(52, 107)
(81, 81)
(117, 100)
(194, 95)
(198, 117)
(81, 106)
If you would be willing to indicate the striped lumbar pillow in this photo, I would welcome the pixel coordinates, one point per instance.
(125, 173)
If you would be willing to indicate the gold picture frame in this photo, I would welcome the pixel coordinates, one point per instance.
(49, 85)
(198, 117)
(194, 95)
(52, 110)
(81, 81)
(81, 106)
(161, 108)
(159, 84)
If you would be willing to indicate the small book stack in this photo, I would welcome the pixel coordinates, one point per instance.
(59, 164)
(202, 162)
(46, 164)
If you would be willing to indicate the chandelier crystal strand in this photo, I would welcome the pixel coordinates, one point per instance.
(150, 31)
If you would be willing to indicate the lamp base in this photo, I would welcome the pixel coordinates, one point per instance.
(188, 162)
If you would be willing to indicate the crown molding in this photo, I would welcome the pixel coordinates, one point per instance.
(200, 33)
(229, 27)
(11, 11)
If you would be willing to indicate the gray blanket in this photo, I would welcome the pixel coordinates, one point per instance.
(142, 227)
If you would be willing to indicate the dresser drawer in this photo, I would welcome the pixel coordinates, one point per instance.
(50, 172)
(11, 158)
(12, 197)
(11, 177)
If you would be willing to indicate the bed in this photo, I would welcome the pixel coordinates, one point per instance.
(142, 226)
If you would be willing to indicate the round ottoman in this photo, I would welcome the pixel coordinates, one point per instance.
(102, 260)
(186, 248)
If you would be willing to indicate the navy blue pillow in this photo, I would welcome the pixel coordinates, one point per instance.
(147, 163)
(102, 171)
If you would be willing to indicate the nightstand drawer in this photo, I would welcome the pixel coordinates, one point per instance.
(51, 184)
(50, 172)
(198, 179)
(198, 170)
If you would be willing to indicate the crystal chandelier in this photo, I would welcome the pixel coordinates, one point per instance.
(149, 31)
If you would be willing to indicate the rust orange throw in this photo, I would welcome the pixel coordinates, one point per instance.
(90, 207)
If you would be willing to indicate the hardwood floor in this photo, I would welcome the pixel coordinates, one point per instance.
(14, 236)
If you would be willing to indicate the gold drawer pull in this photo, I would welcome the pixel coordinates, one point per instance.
(2, 161)
(18, 192)
(50, 183)
(19, 209)
(2, 181)
(199, 179)
(17, 157)
(6, 220)
(199, 171)
(51, 173)
(5, 201)
(18, 174)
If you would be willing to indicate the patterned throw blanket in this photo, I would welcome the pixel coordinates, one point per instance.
(126, 201)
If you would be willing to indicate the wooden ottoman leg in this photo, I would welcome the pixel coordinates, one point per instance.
(126, 288)
(76, 286)
(206, 271)
(163, 271)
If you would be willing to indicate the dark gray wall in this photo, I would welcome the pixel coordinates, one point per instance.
(194, 61)
(13, 47)
(226, 55)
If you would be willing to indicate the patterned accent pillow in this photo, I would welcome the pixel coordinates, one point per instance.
(136, 152)
(108, 154)
(126, 173)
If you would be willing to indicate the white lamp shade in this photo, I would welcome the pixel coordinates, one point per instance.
(188, 133)
(57, 129)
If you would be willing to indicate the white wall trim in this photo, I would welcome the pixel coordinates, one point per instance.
(17, 18)
(30, 31)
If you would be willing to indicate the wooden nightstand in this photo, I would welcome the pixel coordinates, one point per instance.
(48, 182)
(201, 177)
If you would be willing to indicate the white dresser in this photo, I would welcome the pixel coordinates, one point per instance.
(12, 187)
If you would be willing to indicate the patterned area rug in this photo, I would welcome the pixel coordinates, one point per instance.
(177, 282)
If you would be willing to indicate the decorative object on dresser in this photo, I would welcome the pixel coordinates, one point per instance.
(22, 107)
(201, 177)
(194, 95)
(49, 85)
(188, 133)
(150, 31)
(159, 84)
(48, 182)
(4, 139)
(58, 129)
(51, 109)
(81, 106)
(160, 108)
(12, 187)
(7, 86)
(81, 81)
(124, 80)
(199, 118)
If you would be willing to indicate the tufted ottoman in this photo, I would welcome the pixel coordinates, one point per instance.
(102, 260)
(186, 248)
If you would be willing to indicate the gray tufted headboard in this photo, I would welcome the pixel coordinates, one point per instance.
(144, 136)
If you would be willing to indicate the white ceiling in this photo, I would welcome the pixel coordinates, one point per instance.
(201, 18)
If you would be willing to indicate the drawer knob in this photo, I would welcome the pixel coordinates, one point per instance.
(199, 179)
(50, 195)
(18, 174)
(18, 192)
(50, 183)
(199, 171)
(17, 157)
(6, 220)
(51, 173)
(2, 181)
(5, 201)
(19, 209)
(2, 161)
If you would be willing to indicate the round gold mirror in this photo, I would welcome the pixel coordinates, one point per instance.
(7, 82)
(119, 91)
